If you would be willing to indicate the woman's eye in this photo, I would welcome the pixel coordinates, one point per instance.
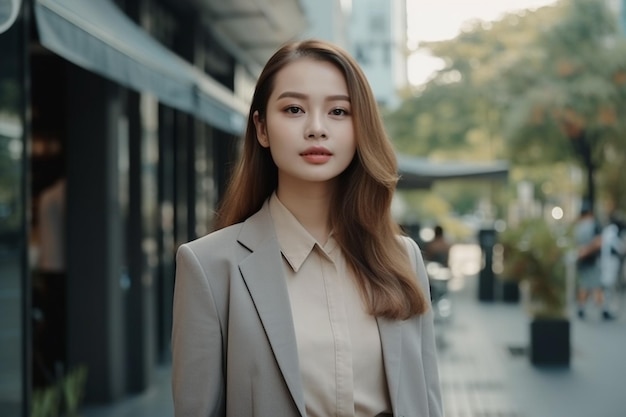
(293, 109)
(339, 112)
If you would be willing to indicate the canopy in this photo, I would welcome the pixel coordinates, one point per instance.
(98, 36)
(418, 172)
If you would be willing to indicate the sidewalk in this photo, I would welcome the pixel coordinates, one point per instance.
(155, 402)
(484, 368)
(485, 371)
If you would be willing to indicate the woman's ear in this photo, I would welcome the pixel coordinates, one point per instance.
(261, 130)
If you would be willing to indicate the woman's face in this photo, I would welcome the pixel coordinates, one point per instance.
(308, 125)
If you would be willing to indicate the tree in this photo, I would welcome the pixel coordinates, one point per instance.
(458, 114)
(566, 90)
(541, 87)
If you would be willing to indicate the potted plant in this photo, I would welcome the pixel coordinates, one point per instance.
(534, 256)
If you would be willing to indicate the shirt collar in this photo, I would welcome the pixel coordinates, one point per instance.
(296, 243)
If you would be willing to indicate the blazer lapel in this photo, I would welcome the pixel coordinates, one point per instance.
(391, 337)
(263, 274)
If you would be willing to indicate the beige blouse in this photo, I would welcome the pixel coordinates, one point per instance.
(339, 345)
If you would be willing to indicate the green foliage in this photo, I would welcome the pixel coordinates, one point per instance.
(439, 117)
(570, 78)
(534, 254)
(73, 389)
(522, 88)
(64, 396)
(46, 402)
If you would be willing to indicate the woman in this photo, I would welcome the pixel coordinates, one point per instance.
(306, 301)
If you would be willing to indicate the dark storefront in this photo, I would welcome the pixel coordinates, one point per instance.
(134, 143)
(14, 279)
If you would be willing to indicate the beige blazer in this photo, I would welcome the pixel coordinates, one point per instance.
(233, 341)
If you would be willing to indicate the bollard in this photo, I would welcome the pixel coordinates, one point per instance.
(486, 277)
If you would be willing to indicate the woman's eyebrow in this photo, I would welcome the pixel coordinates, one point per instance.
(338, 97)
(293, 94)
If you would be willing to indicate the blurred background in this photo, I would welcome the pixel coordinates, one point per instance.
(120, 121)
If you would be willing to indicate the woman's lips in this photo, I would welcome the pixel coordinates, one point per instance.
(316, 155)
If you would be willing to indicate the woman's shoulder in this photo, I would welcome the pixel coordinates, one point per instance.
(412, 248)
(409, 242)
(215, 241)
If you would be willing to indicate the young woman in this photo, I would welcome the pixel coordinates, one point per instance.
(307, 301)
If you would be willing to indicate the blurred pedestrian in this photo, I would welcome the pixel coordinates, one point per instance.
(49, 287)
(307, 301)
(612, 252)
(438, 249)
(587, 237)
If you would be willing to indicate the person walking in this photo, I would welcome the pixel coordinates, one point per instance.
(306, 300)
(49, 297)
(612, 252)
(588, 243)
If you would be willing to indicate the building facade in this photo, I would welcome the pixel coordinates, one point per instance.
(378, 40)
(374, 32)
(119, 121)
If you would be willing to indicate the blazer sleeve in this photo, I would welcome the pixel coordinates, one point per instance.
(197, 349)
(429, 349)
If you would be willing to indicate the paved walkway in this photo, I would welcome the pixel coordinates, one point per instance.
(484, 368)
(485, 371)
(155, 402)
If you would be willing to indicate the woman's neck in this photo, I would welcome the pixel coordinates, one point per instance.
(311, 206)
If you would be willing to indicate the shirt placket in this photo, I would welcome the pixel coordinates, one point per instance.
(340, 331)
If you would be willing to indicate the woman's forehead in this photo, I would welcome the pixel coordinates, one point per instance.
(307, 76)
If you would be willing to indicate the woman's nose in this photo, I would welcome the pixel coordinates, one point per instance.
(315, 128)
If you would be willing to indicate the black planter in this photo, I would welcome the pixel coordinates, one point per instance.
(550, 342)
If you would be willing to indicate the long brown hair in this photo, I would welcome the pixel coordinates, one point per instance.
(361, 205)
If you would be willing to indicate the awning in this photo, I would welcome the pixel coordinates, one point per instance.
(416, 173)
(98, 36)
(252, 29)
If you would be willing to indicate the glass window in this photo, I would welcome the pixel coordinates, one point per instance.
(12, 218)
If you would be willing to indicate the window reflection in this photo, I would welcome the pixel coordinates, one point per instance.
(12, 217)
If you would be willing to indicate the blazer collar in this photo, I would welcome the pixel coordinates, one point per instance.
(263, 274)
(257, 228)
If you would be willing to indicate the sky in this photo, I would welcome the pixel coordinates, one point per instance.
(431, 20)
